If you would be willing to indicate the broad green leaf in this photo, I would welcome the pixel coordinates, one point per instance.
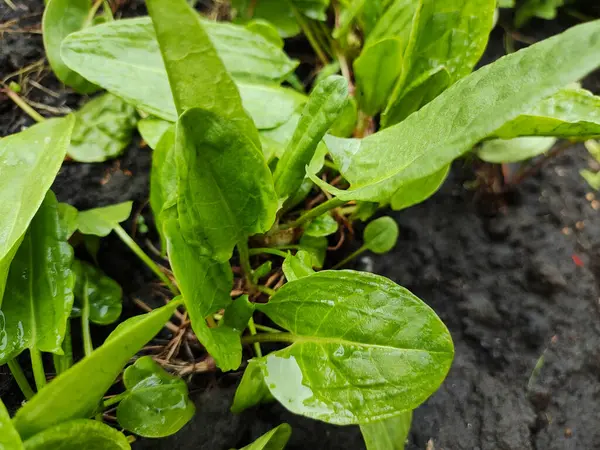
(156, 404)
(514, 150)
(61, 18)
(381, 235)
(104, 295)
(298, 265)
(68, 216)
(103, 129)
(451, 35)
(101, 221)
(376, 71)
(252, 390)
(324, 225)
(316, 247)
(77, 435)
(419, 190)
(388, 434)
(217, 204)
(9, 437)
(363, 348)
(152, 129)
(323, 107)
(39, 287)
(463, 115)
(29, 162)
(592, 178)
(544, 9)
(124, 58)
(392, 21)
(569, 113)
(276, 439)
(76, 393)
(163, 181)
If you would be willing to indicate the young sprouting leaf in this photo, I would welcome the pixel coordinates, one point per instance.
(569, 113)
(451, 35)
(29, 162)
(101, 221)
(104, 295)
(61, 18)
(252, 390)
(323, 225)
(262, 271)
(9, 437)
(592, 178)
(103, 129)
(77, 435)
(342, 373)
(463, 115)
(75, 394)
(544, 9)
(276, 439)
(156, 403)
(316, 247)
(323, 107)
(218, 205)
(68, 216)
(418, 190)
(514, 150)
(381, 235)
(39, 287)
(395, 21)
(387, 434)
(267, 30)
(298, 265)
(152, 129)
(376, 70)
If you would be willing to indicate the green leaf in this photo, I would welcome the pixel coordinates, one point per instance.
(262, 271)
(101, 221)
(252, 389)
(276, 439)
(79, 434)
(451, 35)
(592, 178)
(266, 30)
(104, 294)
(544, 9)
(9, 437)
(388, 434)
(152, 129)
(219, 205)
(395, 21)
(39, 287)
(237, 314)
(124, 58)
(323, 107)
(342, 373)
(376, 70)
(463, 115)
(103, 129)
(514, 150)
(418, 190)
(61, 18)
(156, 403)
(163, 181)
(316, 247)
(381, 235)
(68, 216)
(298, 265)
(569, 113)
(277, 12)
(323, 225)
(29, 162)
(346, 122)
(75, 393)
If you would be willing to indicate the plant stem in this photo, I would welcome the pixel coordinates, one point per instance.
(271, 251)
(20, 378)
(267, 329)
(63, 362)
(145, 258)
(266, 290)
(88, 347)
(349, 258)
(114, 400)
(252, 329)
(24, 106)
(37, 365)
(92, 13)
(269, 337)
(314, 43)
(245, 260)
(330, 204)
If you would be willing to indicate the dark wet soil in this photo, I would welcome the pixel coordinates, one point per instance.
(516, 278)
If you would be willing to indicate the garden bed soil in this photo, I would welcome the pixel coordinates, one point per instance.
(516, 278)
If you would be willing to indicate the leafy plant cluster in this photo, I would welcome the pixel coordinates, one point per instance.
(251, 179)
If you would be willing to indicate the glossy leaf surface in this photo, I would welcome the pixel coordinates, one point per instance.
(39, 287)
(463, 115)
(276, 439)
(298, 265)
(217, 204)
(381, 235)
(514, 150)
(29, 162)
(61, 18)
(68, 216)
(101, 221)
(104, 294)
(252, 390)
(387, 434)
(79, 434)
(323, 225)
(103, 129)
(363, 348)
(419, 190)
(157, 403)
(9, 437)
(152, 129)
(75, 394)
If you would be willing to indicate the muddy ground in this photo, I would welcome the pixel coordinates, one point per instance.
(515, 278)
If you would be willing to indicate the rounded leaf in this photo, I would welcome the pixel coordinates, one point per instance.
(381, 235)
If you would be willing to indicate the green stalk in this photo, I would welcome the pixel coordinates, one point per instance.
(20, 378)
(271, 251)
(92, 13)
(64, 361)
(330, 204)
(88, 347)
(37, 365)
(266, 290)
(267, 329)
(350, 257)
(114, 400)
(252, 329)
(145, 258)
(24, 106)
(270, 337)
(245, 260)
(314, 43)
